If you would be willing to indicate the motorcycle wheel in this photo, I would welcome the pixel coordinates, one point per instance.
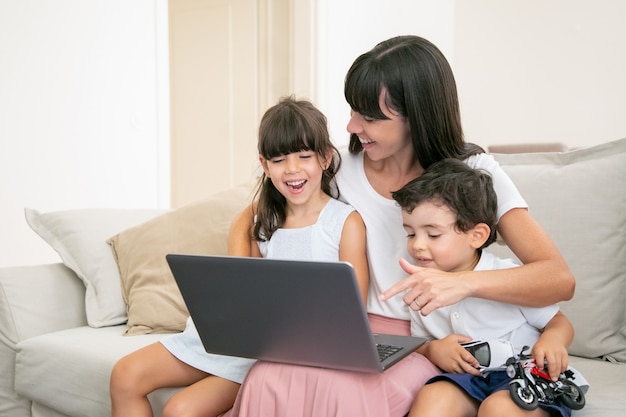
(523, 397)
(573, 397)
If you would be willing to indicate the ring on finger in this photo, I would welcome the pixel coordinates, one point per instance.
(417, 303)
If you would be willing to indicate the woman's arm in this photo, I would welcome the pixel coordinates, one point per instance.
(352, 249)
(543, 279)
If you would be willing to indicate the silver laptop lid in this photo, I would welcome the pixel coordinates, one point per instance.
(299, 312)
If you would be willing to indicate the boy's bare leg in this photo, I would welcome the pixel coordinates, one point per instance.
(443, 398)
(500, 404)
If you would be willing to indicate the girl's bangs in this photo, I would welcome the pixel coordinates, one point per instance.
(285, 139)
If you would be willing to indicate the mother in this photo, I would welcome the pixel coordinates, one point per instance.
(405, 116)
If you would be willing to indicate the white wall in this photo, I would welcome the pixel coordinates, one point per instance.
(84, 118)
(348, 28)
(526, 70)
(541, 70)
(83, 112)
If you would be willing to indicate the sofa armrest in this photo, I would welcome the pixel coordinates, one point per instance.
(34, 300)
(39, 299)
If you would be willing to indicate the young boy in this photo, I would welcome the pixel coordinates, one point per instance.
(449, 214)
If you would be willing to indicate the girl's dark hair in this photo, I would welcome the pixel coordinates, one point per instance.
(287, 127)
(467, 192)
(418, 85)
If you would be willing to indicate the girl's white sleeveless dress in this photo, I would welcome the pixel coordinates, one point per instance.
(319, 242)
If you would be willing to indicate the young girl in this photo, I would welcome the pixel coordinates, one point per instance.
(295, 218)
(449, 214)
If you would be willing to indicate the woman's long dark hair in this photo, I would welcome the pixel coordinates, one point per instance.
(287, 127)
(418, 85)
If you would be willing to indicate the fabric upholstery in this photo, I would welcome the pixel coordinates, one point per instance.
(51, 368)
(79, 237)
(578, 197)
(148, 287)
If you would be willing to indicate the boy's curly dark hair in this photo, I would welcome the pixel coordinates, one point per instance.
(467, 192)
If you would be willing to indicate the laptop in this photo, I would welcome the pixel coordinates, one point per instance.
(297, 312)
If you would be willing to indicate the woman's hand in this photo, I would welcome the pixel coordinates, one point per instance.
(450, 356)
(428, 289)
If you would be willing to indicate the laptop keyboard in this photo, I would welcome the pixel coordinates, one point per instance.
(385, 351)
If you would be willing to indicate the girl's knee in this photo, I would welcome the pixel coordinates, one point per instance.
(125, 377)
(117, 379)
(208, 397)
(178, 406)
(174, 408)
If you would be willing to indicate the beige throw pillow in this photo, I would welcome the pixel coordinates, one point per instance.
(579, 197)
(154, 303)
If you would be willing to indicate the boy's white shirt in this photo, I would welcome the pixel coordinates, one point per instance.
(485, 319)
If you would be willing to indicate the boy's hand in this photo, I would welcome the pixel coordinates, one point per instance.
(450, 356)
(552, 345)
(554, 354)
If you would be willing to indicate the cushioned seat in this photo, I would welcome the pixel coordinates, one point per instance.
(69, 370)
(606, 393)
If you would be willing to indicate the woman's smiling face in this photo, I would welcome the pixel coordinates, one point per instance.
(381, 138)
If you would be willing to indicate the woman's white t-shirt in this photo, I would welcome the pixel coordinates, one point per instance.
(386, 238)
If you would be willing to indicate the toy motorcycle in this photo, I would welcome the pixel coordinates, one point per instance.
(530, 385)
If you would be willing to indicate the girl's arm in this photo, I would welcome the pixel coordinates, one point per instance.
(352, 249)
(239, 240)
(543, 279)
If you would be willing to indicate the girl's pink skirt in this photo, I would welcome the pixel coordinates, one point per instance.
(281, 390)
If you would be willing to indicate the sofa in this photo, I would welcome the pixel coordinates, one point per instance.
(64, 325)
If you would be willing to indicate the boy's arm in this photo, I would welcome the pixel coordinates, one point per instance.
(552, 345)
(449, 355)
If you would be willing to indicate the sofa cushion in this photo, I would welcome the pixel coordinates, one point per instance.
(69, 370)
(606, 387)
(79, 237)
(34, 300)
(578, 197)
(154, 302)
